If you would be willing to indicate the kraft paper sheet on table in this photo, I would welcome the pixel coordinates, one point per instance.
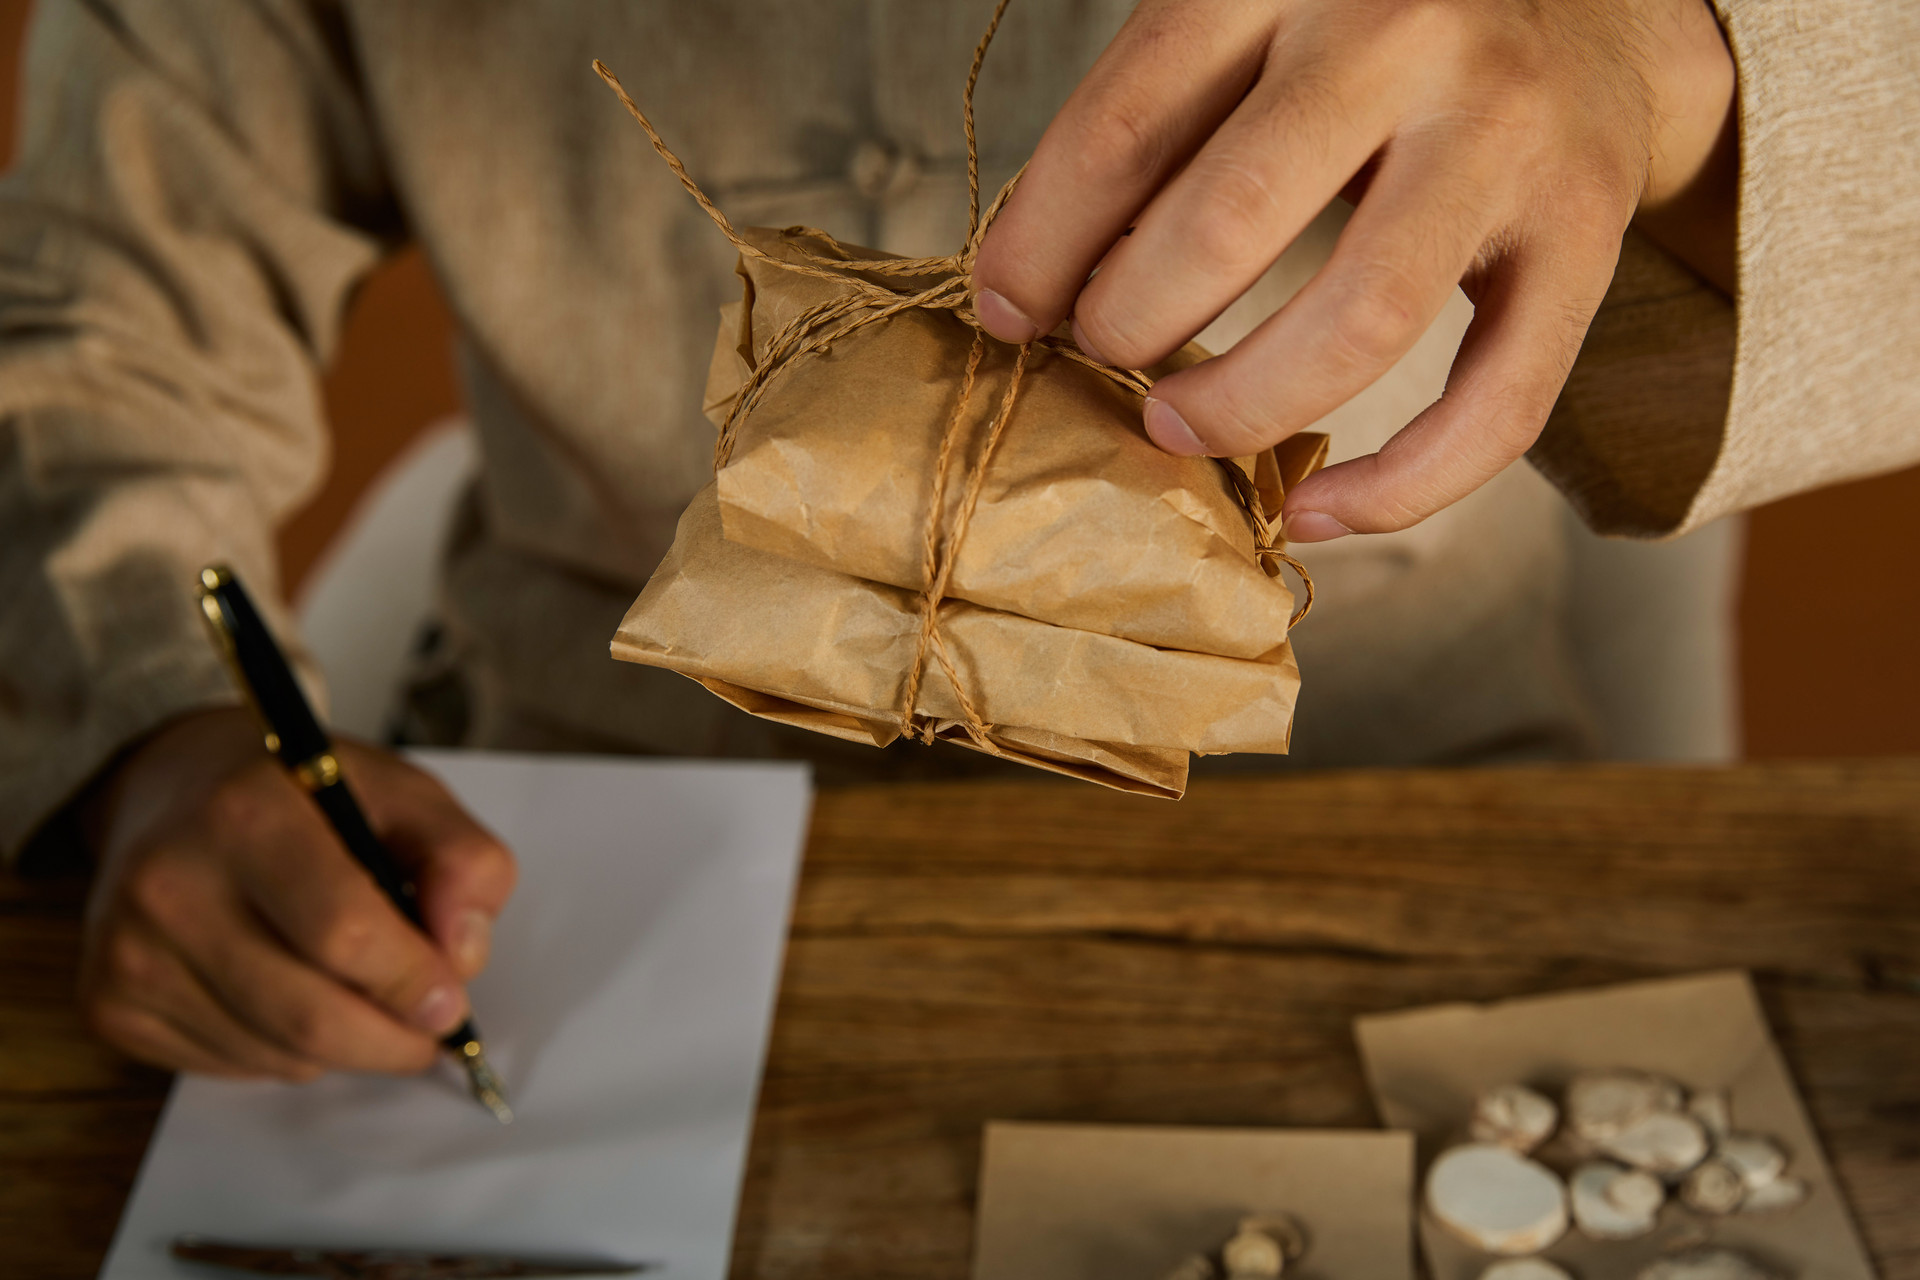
(1706, 1031)
(1129, 1202)
(627, 1005)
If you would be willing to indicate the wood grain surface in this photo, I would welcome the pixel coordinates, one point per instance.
(969, 952)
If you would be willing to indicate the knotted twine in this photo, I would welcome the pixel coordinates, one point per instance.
(866, 302)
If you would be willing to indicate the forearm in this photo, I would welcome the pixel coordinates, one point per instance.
(1683, 408)
(101, 643)
(173, 275)
(1691, 203)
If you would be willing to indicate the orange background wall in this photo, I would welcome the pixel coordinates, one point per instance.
(1830, 608)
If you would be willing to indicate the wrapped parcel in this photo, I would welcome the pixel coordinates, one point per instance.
(1081, 520)
(915, 530)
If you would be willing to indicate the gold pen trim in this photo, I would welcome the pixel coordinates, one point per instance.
(316, 773)
(482, 1082)
(212, 578)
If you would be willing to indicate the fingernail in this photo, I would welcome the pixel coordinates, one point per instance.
(1087, 348)
(439, 1011)
(1004, 320)
(472, 935)
(1170, 431)
(1312, 526)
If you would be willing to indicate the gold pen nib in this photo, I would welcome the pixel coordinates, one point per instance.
(486, 1086)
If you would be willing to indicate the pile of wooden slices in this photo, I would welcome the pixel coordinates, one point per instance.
(1633, 1141)
(1261, 1248)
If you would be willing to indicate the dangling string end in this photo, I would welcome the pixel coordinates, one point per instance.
(605, 72)
(966, 119)
(1306, 582)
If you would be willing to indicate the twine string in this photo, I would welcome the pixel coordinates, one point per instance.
(966, 124)
(936, 589)
(1268, 544)
(924, 284)
(932, 569)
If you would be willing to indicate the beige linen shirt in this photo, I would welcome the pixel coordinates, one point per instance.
(202, 183)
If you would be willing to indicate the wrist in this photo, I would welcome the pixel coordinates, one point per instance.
(171, 766)
(1692, 85)
(1691, 201)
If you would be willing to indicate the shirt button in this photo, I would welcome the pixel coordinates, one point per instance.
(882, 171)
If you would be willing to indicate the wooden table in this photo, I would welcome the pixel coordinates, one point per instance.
(975, 951)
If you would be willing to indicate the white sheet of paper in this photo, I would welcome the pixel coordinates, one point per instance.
(627, 1006)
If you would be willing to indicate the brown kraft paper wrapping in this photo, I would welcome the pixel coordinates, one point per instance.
(1118, 711)
(1081, 520)
(919, 531)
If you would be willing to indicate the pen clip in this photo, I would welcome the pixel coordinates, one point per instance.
(213, 610)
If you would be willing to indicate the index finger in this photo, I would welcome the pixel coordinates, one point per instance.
(1527, 329)
(463, 872)
(330, 912)
(1174, 71)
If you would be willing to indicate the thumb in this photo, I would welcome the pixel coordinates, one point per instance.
(1527, 328)
(463, 873)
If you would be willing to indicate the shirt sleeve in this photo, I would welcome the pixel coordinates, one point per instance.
(1683, 407)
(197, 191)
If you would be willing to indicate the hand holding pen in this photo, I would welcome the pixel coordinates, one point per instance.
(230, 932)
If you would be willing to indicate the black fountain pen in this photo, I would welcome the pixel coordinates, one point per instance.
(295, 736)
